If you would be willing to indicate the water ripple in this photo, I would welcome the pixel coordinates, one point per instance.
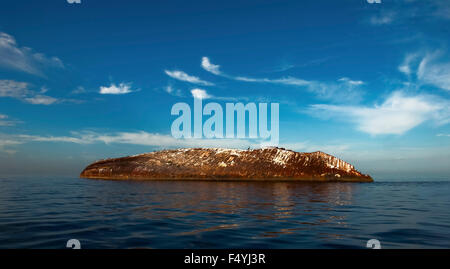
(46, 212)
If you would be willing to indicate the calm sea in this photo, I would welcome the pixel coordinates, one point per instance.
(47, 212)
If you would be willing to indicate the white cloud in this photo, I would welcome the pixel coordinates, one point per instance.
(447, 135)
(122, 88)
(22, 58)
(21, 91)
(203, 94)
(208, 66)
(200, 94)
(41, 100)
(396, 115)
(436, 73)
(14, 89)
(351, 82)
(180, 75)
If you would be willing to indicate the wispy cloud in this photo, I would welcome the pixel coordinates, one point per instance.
(160, 141)
(286, 81)
(122, 88)
(208, 66)
(406, 67)
(431, 71)
(396, 115)
(214, 69)
(14, 89)
(79, 90)
(134, 138)
(427, 68)
(83, 139)
(442, 9)
(446, 135)
(21, 91)
(382, 19)
(284, 66)
(406, 11)
(307, 146)
(172, 91)
(41, 100)
(4, 121)
(344, 89)
(6, 142)
(23, 58)
(351, 82)
(180, 75)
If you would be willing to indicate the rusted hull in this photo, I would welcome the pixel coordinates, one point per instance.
(227, 165)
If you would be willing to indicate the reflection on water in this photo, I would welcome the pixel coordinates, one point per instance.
(261, 202)
(44, 213)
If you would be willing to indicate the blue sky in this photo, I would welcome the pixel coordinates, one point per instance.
(368, 83)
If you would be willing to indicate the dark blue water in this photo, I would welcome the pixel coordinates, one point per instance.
(46, 212)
